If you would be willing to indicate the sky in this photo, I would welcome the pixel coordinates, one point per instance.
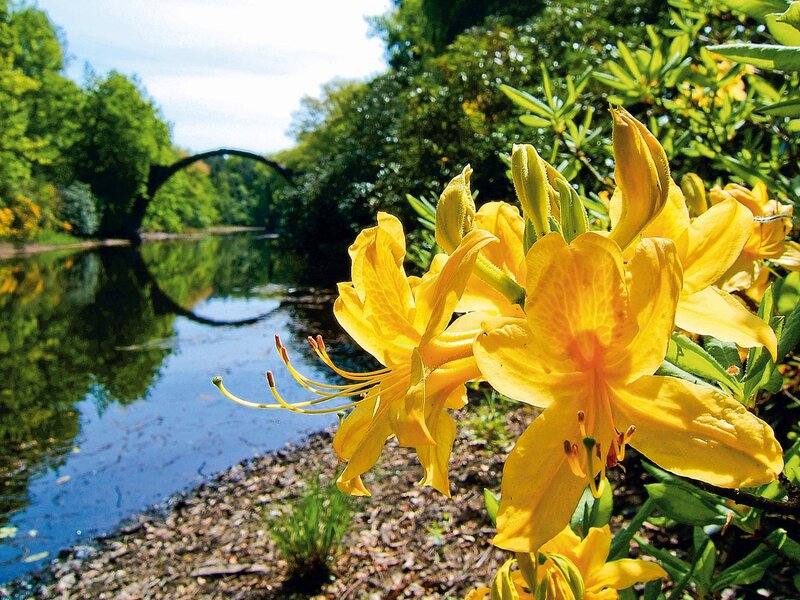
(224, 72)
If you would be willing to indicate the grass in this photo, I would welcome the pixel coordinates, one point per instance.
(308, 535)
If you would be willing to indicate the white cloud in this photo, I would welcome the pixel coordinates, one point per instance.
(224, 73)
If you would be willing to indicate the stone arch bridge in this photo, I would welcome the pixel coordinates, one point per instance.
(159, 174)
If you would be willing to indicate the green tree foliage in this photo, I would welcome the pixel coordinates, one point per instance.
(187, 199)
(17, 149)
(363, 146)
(123, 135)
(107, 134)
(245, 191)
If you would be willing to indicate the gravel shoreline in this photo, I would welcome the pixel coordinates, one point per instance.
(210, 542)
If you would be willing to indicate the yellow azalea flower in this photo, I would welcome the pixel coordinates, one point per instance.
(402, 322)
(594, 332)
(707, 247)
(600, 579)
(767, 239)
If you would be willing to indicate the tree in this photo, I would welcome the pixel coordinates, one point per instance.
(123, 134)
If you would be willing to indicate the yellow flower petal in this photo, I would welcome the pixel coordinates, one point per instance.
(511, 361)
(360, 440)
(714, 312)
(349, 311)
(623, 573)
(715, 240)
(672, 221)
(790, 257)
(591, 554)
(504, 222)
(408, 418)
(539, 258)
(576, 299)
(388, 303)
(393, 237)
(435, 459)
(539, 491)
(698, 432)
(451, 281)
(653, 291)
(353, 487)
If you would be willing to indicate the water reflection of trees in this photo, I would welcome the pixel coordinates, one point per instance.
(97, 323)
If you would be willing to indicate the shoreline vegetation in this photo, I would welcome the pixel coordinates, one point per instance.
(211, 541)
(10, 250)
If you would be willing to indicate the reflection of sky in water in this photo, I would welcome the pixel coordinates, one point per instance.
(129, 457)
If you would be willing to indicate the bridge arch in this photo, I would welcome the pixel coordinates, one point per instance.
(159, 174)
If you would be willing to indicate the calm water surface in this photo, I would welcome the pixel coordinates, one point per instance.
(106, 404)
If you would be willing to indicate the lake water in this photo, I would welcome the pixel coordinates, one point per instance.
(106, 404)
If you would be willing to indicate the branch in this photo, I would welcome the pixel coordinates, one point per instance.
(790, 507)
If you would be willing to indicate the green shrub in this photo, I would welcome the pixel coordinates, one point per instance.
(309, 533)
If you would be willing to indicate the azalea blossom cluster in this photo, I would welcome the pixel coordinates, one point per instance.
(572, 321)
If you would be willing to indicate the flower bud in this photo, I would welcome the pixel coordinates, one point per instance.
(531, 185)
(641, 173)
(455, 213)
(695, 193)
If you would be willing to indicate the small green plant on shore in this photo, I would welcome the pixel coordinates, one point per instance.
(309, 534)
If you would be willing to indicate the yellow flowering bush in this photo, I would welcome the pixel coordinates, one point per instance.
(626, 337)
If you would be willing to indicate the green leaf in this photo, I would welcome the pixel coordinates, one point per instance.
(591, 511)
(677, 503)
(705, 561)
(784, 33)
(652, 590)
(710, 500)
(787, 293)
(758, 9)
(492, 503)
(526, 101)
(762, 373)
(534, 121)
(763, 56)
(630, 61)
(725, 353)
(792, 15)
(752, 567)
(688, 356)
(674, 566)
(787, 108)
(790, 336)
(667, 369)
(791, 465)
